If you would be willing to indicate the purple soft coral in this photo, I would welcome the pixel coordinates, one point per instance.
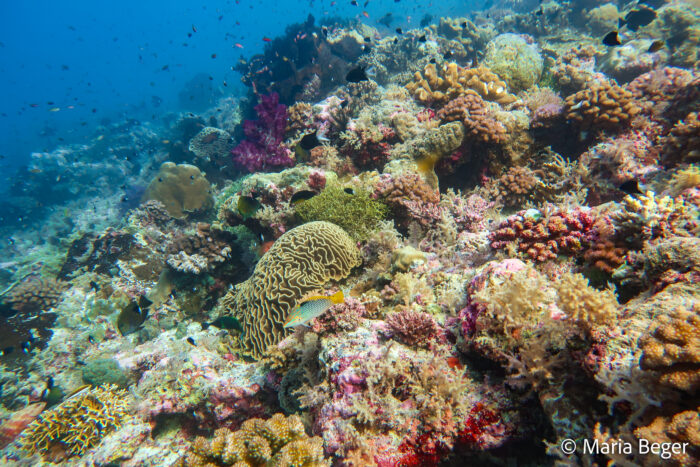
(263, 146)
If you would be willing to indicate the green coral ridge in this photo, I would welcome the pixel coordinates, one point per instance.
(357, 213)
(105, 371)
(515, 61)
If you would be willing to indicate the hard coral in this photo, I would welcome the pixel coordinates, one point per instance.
(433, 89)
(410, 198)
(211, 144)
(34, 294)
(515, 60)
(516, 187)
(545, 238)
(78, 424)
(279, 441)
(682, 145)
(301, 261)
(263, 149)
(472, 111)
(682, 427)
(357, 213)
(413, 328)
(602, 104)
(182, 188)
(672, 349)
(201, 251)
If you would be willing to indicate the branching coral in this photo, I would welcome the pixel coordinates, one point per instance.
(516, 187)
(431, 88)
(263, 149)
(647, 216)
(410, 198)
(545, 238)
(301, 261)
(357, 213)
(472, 111)
(682, 145)
(602, 105)
(78, 424)
(672, 349)
(182, 188)
(413, 327)
(279, 441)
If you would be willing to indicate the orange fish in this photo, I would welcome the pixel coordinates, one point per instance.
(239, 45)
(454, 363)
(265, 246)
(365, 14)
(267, 39)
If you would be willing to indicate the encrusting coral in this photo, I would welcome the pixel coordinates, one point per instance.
(78, 423)
(34, 293)
(301, 261)
(182, 189)
(277, 442)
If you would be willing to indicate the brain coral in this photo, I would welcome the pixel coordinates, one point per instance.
(278, 441)
(181, 188)
(301, 261)
(518, 63)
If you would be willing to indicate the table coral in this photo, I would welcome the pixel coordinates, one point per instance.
(263, 149)
(182, 188)
(279, 441)
(672, 349)
(301, 261)
(602, 105)
(78, 424)
(431, 88)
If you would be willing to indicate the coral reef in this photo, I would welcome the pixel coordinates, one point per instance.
(77, 424)
(433, 89)
(602, 104)
(34, 293)
(301, 261)
(277, 441)
(471, 110)
(263, 149)
(413, 327)
(356, 212)
(515, 60)
(182, 189)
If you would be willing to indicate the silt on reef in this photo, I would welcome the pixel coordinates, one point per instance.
(508, 206)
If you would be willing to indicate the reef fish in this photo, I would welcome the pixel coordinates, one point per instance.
(224, 322)
(313, 307)
(611, 39)
(133, 316)
(301, 195)
(356, 75)
(248, 206)
(635, 19)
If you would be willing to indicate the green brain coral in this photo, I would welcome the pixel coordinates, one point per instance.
(357, 213)
(301, 261)
(518, 63)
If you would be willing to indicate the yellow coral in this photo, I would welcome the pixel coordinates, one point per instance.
(79, 423)
(682, 427)
(430, 87)
(602, 104)
(582, 303)
(302, 260)
(673, 349)
(279, 441)
(181, 188)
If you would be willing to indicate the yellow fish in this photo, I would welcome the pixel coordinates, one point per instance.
(313, 307)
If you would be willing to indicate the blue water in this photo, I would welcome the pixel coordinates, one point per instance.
(106, 59)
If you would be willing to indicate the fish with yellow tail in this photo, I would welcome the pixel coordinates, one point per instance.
(312, 307)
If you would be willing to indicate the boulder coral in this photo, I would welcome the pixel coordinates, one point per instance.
(301, 261)
(514, 60)
(182, 189)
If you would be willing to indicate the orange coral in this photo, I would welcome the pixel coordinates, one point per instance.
(682, 427)
(602, 104)
(575, 67)
(430, 87)
(515, 187)
(673, 349)
(605, 255)
(471, 110)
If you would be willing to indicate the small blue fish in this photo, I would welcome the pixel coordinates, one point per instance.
(313, 307)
